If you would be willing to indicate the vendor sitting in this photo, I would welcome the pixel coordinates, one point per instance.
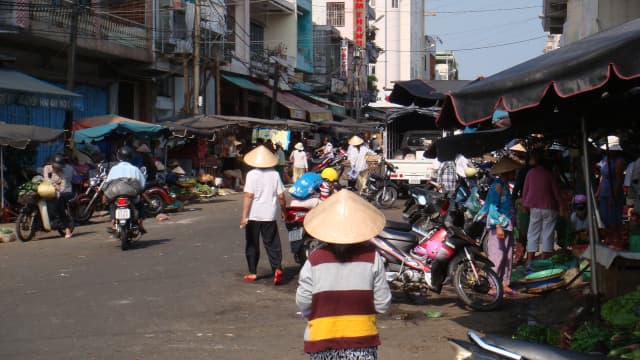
(579, 221)
(174, 175)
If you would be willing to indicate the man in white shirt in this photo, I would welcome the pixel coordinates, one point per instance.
(263, 200)
(326, 148)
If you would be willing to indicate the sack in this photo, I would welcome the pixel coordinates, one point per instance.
(46, 190)
(306, 185)
(122, 187)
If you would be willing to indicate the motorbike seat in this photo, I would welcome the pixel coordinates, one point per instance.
(397, 225)
(429, 194)
(393, 234)
(533, 351)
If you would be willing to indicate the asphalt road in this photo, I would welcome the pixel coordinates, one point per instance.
(179, 294)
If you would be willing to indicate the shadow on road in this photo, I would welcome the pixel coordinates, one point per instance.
(143, 244)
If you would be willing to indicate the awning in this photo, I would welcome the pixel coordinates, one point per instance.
(19, 136)
(99, 133)
(20, 88)
(103, 120)
(241, 82)
(299, 107)
(583, 72)
(336, 109)
(472, 144)
(423, 93)
(275, 123)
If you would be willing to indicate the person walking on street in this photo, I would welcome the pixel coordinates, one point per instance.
(497, 210)
(263, 200)
(299, 159)
(447, 178)
(342, 284)
(281, 160)
(541, 196)
(357, 156)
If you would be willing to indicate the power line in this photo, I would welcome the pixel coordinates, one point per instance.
(475, 48)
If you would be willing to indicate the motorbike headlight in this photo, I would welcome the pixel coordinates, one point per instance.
(422, 200)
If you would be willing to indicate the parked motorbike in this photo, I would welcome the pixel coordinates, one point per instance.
(335, 161)
(85, 204)
(156, 197)
(378, 189)
(499, 348)
(37, 214)
(416, 265)
(301, 243)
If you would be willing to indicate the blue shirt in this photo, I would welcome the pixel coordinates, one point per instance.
(125, 170)
(497, 205)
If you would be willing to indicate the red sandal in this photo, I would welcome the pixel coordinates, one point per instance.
(277, 277)
(250, 277)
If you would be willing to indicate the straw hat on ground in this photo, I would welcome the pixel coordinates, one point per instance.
(505, 165)
(179, 170)
(299, 146)
(260, 157)
(344, 218)
(356, 140)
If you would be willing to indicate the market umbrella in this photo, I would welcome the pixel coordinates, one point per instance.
(472, 144)
(19, 136)
(423, 93)
(577, 85)
(100, 120)
(98, 133)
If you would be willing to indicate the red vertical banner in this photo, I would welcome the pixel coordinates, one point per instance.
(359, 23)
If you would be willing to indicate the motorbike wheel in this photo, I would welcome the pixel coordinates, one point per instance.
(154, 204)
(124, 239)
(386, 199)
(26, 226)
(82, 213)
(483, 293)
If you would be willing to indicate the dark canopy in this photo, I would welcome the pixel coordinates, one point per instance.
(19, 136)
(472, 144)
(582, 71)
(424, 93)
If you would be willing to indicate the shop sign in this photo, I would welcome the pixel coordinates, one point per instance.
(344, 59)
(359, 26)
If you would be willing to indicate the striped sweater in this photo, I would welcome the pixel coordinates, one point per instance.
(342, 299)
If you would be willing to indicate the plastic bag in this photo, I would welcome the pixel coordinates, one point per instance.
(122, 187)
(306, 185)
(473, 204)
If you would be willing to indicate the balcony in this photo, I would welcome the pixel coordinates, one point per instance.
(98, 31)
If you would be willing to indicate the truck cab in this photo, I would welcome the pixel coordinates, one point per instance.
(415, 158)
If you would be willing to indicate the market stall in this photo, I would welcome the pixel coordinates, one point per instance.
(589, 85)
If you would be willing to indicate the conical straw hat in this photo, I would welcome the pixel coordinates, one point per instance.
(261, 157)
(356, 140)
(344, 218)
(504, 165)
(518, 147)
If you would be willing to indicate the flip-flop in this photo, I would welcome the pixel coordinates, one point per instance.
(511, 292)
(250, 277)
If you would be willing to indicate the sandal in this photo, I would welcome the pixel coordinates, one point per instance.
(250, 277)
(277, 277)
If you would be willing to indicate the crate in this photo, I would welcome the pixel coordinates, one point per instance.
(620, 278)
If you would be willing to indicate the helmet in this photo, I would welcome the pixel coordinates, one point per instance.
(125, 153)
(329, 174)
(470, 172)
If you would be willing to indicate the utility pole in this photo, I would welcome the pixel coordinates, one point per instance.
(274, 98)
(196, 58)
(71, 66)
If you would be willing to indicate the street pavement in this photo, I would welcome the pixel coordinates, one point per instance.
(179, 294)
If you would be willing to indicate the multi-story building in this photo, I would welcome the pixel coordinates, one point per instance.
(577, 19)
(401, 34)
(446, 67)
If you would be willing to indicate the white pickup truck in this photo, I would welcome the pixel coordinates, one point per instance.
(412, 167)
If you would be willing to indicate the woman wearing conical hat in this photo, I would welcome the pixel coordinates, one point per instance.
(263, 202)
(342, 285)
(357, 156)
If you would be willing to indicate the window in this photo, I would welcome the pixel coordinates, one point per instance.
(335, 14)
(257, 39)
(395, 4)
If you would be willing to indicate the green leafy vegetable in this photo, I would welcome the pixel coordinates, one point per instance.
(620, 312)
(538, 334)
(590, 337)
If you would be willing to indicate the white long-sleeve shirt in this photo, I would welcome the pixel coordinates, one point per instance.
(299, 159)
(358, 157)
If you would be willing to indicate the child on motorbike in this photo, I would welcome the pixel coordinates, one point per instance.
(329, 179)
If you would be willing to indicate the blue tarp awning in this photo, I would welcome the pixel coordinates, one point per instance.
(99, 133)
(241, 82)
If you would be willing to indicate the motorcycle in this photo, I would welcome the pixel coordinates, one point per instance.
(85, 204)
(156, 197)
(498, 348)
(38, 214)
(380, 189)
(301, 243)
(124, 194)
(445, 252)
(335, 161)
